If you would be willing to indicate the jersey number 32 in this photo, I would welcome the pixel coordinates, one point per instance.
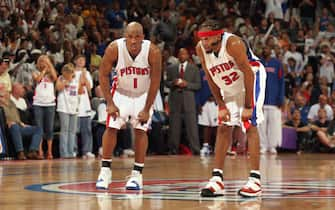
(229, 79)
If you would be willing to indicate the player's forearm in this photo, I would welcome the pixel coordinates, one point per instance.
(219, 100)
(155, 60)
(105, 87)
(151, 95)
(249, 88)
(217, 95)
(215, 90)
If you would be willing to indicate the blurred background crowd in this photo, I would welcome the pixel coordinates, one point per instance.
(298, 34)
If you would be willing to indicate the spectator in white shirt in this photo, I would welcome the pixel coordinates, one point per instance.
(83, 77)
(275, 7)
(293, 53)
(67, 107)
(327, 63)
(17, 97)
(44, 103)
(313, 112)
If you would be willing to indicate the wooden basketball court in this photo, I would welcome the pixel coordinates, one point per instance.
(289, 181)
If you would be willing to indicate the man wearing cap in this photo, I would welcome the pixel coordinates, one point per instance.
(4, 76)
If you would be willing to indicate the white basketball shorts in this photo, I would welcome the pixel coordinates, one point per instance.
(209, 114)
(129, 108)
(235, 104)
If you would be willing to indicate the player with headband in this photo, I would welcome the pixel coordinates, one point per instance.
(237, 81)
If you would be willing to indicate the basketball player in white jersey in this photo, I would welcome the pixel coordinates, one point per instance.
(137, 64)
(237, 81)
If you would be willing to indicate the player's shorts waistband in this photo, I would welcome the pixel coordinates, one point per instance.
(129, 94)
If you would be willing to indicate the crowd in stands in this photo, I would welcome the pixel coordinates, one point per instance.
(51, 52)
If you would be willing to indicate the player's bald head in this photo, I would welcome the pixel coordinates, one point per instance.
(134, 37)
(134, 27)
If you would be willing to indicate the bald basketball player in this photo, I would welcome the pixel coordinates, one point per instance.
(137, 63)
(237, 81)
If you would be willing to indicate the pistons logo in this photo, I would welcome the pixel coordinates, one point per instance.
(188, 189)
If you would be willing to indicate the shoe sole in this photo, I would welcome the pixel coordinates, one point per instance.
(209, 194)
(133, 188)
(101, 188)
(249, 195)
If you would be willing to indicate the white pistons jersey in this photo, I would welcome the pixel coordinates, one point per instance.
(133, 74)
(223, 69)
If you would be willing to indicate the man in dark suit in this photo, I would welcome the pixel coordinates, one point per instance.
(183, 79)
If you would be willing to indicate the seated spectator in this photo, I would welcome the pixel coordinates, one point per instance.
(17, 96)
(301, 128)
(3, 135)
(300, 104)
(320, 128)
(328, 138)
(18, 130)
(313, 112)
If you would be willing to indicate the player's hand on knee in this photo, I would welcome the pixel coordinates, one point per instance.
(113, 110)
(246, 114)
(143, 116)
